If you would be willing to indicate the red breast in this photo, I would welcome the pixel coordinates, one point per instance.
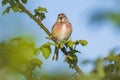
(62, 31)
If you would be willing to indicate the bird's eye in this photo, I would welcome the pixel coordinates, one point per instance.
(62, 14)
(59, 15)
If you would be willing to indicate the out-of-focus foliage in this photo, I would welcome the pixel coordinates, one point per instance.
(19, 55)
(111, 63)
(107, 68)
(98, 16)
(46, 50)
(101, 16)
(19, 61)
(112, 70)
(106, 16)
(114, 17)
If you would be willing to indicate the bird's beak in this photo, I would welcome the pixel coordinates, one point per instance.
(60, 18)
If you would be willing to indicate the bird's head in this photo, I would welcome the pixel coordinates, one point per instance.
(61, 18)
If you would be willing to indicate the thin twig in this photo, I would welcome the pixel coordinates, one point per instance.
(77, 69)
(34, 18)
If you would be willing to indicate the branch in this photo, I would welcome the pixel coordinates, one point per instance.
(82, 76)
(34, 18)
(49, 34)
(77, 69)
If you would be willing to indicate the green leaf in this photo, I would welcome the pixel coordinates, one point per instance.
(6, 10)
(46, 50)
(61, 44)
(12, 3)
(73, 51)
(37, 62)
(4, 2)
(24, 1)
(77, 42)
(40, 13)
(70, 43)
(41, 16)
(70, 57)
(112, 57)
(41, 9)
(100, 68)
(83, 42)
(17, 52)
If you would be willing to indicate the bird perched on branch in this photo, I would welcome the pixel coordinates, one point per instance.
(61, 30)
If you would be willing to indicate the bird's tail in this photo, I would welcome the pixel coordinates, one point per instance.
(55, 56)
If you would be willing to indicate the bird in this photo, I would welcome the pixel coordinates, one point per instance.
(61, 30)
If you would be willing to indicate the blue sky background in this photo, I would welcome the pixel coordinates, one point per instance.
(100, 40)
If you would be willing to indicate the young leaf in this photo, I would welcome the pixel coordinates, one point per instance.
(77, 42)
(4, 2)
(40, 13)
(37, 62)
(70, 57)
(83, 42)
(12, 3)
(46, 50)
(41, 16)
(41, 9)
(24, 1)
(70, 43)
(6, 10)
(73, 51)
(61, 44)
